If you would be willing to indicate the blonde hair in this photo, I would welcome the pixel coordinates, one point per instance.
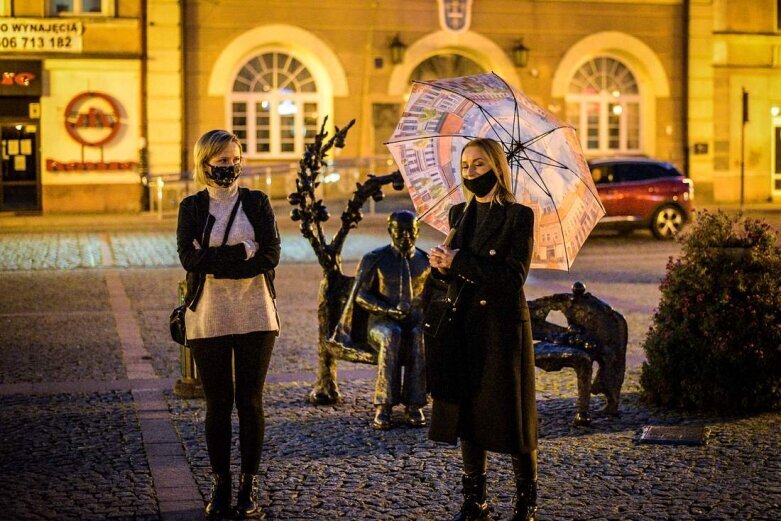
(497, 161)
(208, 145)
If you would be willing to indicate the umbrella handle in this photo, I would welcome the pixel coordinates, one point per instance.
(449, 238)
(452, 232)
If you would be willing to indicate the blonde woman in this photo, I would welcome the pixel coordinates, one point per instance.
(228, 243)
(481, 373)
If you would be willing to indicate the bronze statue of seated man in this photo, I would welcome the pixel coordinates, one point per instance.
(386, 292)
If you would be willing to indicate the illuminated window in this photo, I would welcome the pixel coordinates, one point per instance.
(274, 106)
(445, 66)
(603, 104)
(79, 7)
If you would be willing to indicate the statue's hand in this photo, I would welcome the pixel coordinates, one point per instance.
(400, 312)
(395, 314)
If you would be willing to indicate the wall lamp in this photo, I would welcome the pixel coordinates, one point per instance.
(520, 54)
(397, 49)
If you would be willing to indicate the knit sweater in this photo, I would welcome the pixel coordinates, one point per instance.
(231, 306)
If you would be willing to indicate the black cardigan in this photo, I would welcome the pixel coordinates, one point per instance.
(225, 262)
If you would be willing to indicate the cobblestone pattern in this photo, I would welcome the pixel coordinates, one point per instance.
(57, 327)
(60, 348)
(144, 249)
(148, 249)
(327, 462)
(153, 295)
(74, 457)
(41, 251)
(53, 292)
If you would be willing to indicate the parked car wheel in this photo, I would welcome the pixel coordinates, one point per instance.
(667, 221)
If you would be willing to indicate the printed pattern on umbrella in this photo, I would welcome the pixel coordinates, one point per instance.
(550, 174)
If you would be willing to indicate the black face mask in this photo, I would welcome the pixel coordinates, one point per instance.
(480, 186)
(224, 176)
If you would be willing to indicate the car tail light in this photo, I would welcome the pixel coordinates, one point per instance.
(688, 195)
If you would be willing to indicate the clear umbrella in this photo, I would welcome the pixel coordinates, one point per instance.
(550, 173)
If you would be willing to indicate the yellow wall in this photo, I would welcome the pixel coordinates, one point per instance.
(357, 32)
(735, 45)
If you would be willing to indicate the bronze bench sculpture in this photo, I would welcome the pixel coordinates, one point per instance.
(595, 333)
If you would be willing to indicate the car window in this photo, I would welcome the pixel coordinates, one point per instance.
(633, 172)
(664, 170)
(628, 172)
(602, 174)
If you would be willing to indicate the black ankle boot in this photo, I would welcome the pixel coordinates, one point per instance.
(219, 504)
(475, 507)
(525, 500)
(247, 500)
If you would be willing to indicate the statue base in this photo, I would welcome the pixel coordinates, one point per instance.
(188, 389)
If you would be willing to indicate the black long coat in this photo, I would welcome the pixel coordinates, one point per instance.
(490, 341)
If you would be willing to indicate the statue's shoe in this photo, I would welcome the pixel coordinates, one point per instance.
(382, 418)
(415, 417)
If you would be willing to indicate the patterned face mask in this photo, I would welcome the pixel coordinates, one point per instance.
(224, 176)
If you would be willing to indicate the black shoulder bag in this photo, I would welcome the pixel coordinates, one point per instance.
(176, 320)
(439, 295)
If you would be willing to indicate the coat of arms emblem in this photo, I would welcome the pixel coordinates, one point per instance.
(455, 15)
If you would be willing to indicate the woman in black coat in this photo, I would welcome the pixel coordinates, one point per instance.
(481, 370)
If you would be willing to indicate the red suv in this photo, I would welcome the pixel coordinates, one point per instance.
(642, 192)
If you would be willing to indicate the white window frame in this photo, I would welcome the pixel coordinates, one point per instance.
(106, 9)
(275, 98)
(603, 100)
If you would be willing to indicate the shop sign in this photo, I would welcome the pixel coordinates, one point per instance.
(28, 35)
(88, 166)
(20, 78)
(92, 119)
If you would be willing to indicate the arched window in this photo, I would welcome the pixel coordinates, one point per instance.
(445, 66)
(603, 103)
(273, 106)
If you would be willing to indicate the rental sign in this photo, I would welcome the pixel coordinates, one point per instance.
(29, 35)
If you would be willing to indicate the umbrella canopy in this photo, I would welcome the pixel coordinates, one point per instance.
(550, 174)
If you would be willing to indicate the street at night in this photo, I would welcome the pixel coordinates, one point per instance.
(84, 437)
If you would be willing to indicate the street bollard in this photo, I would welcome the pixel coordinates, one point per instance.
(189, 385)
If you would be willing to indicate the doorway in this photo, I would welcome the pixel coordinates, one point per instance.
(20, 188)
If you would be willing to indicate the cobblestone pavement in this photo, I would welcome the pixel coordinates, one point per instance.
(327, 462)
(76, 456)
(85, 455)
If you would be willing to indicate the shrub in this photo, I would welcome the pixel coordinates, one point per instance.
(715, 339)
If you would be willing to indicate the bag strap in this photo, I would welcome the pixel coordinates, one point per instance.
(230, 220)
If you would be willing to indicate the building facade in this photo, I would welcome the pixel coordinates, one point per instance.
(90, 100)
(140, 80)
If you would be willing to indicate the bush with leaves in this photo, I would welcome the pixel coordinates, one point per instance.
(715, 340)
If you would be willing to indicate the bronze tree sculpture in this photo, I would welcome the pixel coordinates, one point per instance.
(311, 212)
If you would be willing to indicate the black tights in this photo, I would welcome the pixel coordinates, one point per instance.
(251, 353)
(476, 462)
